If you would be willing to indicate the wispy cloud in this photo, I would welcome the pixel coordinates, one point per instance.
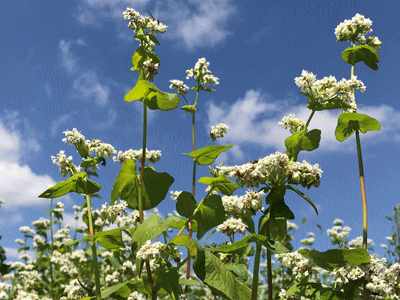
(196, 25)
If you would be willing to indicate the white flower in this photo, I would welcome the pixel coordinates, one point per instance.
(218, 131)
(232, 226)
(175, 195)
(149, 250)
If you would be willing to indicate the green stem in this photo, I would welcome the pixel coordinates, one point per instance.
(94, 250)
(362, 185)
(193, 191)
(269, 267)
(52, 249)
(256, 269)
(143, 162)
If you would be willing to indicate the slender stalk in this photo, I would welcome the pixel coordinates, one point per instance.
(269, 267)
(143, 162)
(362, 185)
(94, 250)
(256, 269)
(52, 249)
(193, 192)
(154, 288)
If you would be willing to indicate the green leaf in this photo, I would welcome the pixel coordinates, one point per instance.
(192, 282)
(279, 209)
(151, 228)
(126, 186)
(210, 214)
(333, 103)
(221, 184)
(169, 280)
(206, 156)
(278, 229)
(72, 242)
(147, 93)
(73, 184)
(191, 244)
(300, 141)
(91, 162)
(288, 186)
(337, 258)
(349, 122)
(112, 289)
(313, 290)
(179, 224)
(186, 204)
(364, 53)
(189, 108)
(110, 239)
(238, 269)
(212, 272)
(241, 247)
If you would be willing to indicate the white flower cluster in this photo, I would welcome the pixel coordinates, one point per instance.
(218, 131)
(274, 170)
(232, 226)
(150, 68)
(294, 124)
(63, 233)
(302, 267)
(73, 137)
(128, 266)
(149, 250)
(38, 241)
(41, 224)
(179, 86)
(152, 156)
(101, 149)
(175, 195)
(135, 296)
(66, 165)
(19, 241)
(135, 215)
(113, 278)
(328, 88)
(59, 207)
(26, 229)
(201, 73)
(64, 262)
(355, 30)
(111, 213)
(237, 204)
(140, 22)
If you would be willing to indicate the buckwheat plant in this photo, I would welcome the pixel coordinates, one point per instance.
(130, 265)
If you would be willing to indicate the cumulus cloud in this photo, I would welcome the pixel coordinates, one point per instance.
(20, 185)
(255, 119)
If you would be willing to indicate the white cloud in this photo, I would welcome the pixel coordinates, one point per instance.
(20, 185)
(254, 120)
(55, 125)
(87, 86)
(197, 24)
(68, 59)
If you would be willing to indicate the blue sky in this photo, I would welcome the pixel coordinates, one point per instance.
(66, 65)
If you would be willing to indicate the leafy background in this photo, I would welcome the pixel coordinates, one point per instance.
(67, 64)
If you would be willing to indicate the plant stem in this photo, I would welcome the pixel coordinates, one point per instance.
(269, 267)
(363, 196)
(256, 268)
(52, 249)
(193, 192)
(94, 250)
(143, 162)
